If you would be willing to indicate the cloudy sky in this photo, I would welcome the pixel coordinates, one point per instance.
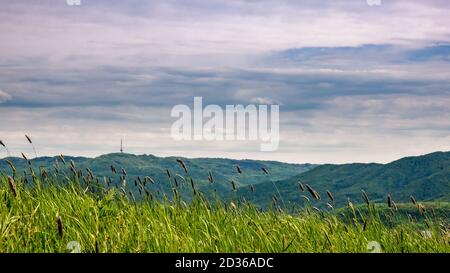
(355, 82)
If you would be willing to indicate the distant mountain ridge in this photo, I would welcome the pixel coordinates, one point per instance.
(425, 177)
(223, 170)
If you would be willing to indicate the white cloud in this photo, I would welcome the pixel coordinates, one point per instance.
(4, 97)
(263, 100)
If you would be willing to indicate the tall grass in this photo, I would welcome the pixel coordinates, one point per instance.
(45, 214)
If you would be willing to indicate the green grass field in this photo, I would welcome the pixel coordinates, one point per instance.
(46, 216)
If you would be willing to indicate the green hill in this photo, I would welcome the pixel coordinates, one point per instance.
(426, 177)
(223, 171)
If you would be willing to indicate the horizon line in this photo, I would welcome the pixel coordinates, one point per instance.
(225, 158)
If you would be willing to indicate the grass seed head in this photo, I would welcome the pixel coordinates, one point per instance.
(61, 157)
(351, 207)
(274, 199)
(301, 187)
(313, 192)
(181, 162)
(433, 212)
(389, 201)
(365, 197)
(330, 195)
(413, 200)
(421, 208)
(29, 139)
(210, 177)
(233, 184)
(59, 226)
(149, 179)
(12, 186)
(305, 198)
(395, 205)
(265, 170)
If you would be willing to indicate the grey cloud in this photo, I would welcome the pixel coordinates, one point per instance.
(158, 86)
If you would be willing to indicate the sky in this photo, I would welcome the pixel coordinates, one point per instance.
(355, 82)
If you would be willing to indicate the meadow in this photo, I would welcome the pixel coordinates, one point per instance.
(43, 212)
